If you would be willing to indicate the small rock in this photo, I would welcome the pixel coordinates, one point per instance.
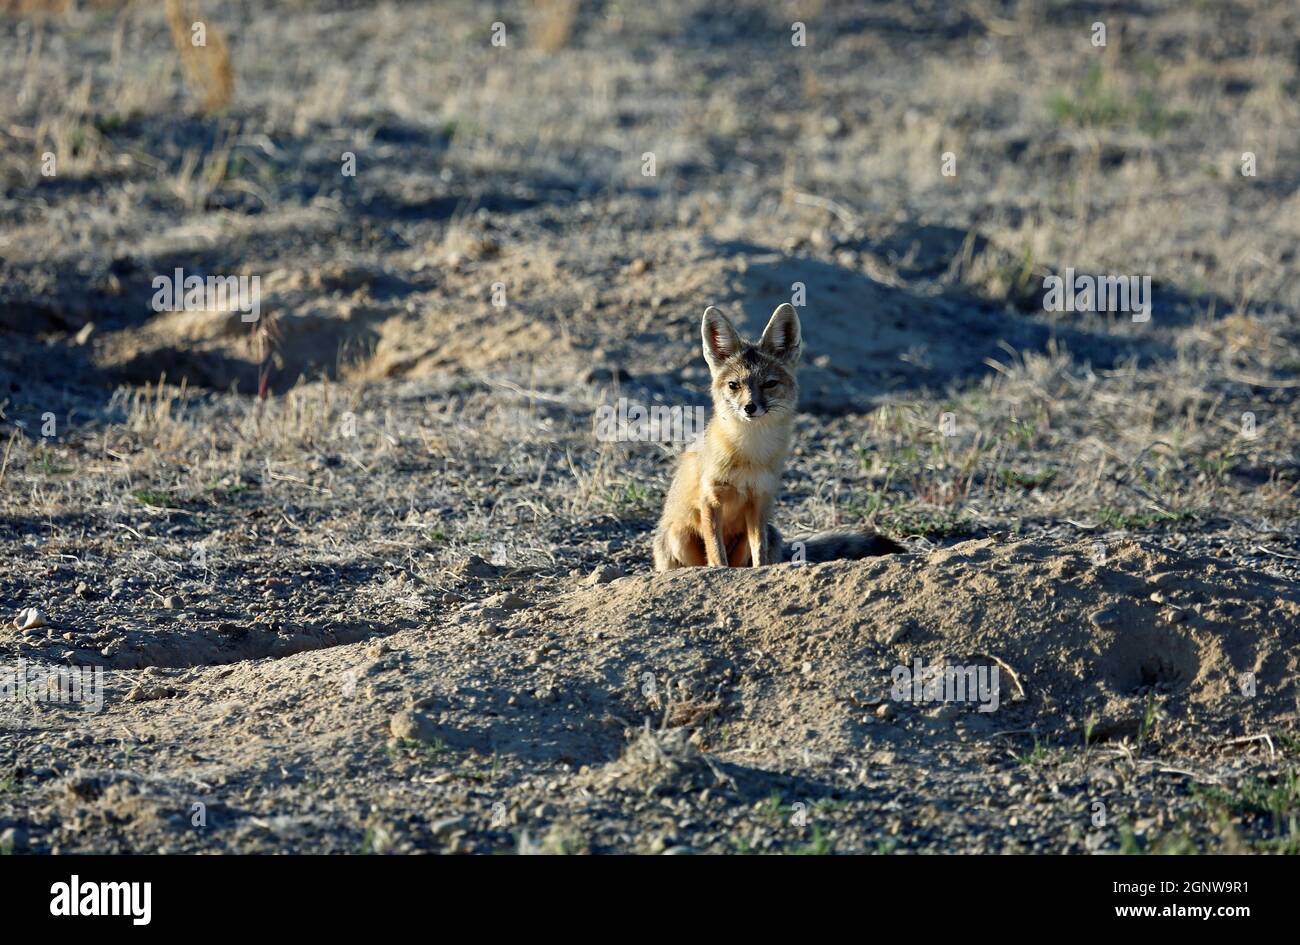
(30, 619)
(413, 726)
(604, 574)
(1104, 617)
(885, 711)
(173, 602)
(83, 590)
(506, 601)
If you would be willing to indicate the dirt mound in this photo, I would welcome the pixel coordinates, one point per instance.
(1076, 640)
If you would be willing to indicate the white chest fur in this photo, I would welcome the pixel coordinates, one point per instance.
(752, 467)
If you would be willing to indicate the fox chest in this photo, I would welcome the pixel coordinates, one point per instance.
(744, 492)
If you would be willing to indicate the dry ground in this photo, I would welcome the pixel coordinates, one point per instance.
(363, 579)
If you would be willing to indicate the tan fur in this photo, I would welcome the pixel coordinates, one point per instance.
(719, 507)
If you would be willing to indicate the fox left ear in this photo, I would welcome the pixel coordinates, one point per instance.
(781, 337)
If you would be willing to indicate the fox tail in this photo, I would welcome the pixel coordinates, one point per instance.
(839, 544)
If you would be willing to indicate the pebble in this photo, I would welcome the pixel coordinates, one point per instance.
(604, 574)
(415, 726)
(1104, 617)
(30, 619)
(173, 602)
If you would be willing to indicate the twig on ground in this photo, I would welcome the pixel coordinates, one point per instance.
(1261, 737)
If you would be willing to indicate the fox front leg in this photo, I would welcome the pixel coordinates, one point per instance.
(760, 551)
(711, 527)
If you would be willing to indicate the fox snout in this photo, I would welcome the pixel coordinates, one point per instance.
(747, 400)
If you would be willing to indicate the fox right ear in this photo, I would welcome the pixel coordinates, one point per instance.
(721, 340)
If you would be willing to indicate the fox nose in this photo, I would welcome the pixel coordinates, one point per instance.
(750, 408)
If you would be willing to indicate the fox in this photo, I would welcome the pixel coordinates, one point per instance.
(718, 510)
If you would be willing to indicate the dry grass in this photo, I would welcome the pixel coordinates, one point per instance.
(551, 22)
(207, 68)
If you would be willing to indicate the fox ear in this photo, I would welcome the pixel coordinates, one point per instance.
(782, 336)
(721, 339)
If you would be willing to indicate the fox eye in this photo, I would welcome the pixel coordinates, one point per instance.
(733, 385)
(769, 384)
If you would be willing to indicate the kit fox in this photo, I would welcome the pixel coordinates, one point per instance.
(719, 507)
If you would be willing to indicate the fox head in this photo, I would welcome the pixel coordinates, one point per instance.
(753, 381)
